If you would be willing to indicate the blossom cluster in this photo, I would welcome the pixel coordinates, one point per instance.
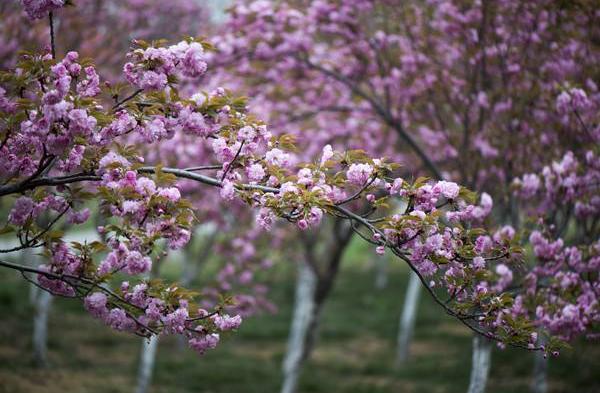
(37, 9)
(152, 67)
(60, 131)
(564, 275)
(160, 312)
(571, 305)
(54, 130)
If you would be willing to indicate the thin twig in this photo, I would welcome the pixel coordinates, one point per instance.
(128, 98)
(203, 168)
(230, 165)
(52, 42)
(30, 243)
(358, 193)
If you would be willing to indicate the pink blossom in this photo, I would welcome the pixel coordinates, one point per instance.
(359, 173)
(277, 157)
(131, 207)
(203, 343)
(175, 321)
(37, 9)
(171, 193)
(90, 86)
(314, 216)
(136, 263)
(396, 187)
(193, 63)
(21, 211)
(226, 322)
(227, 190)
(111, 158)
(246, 133)
(154, 309)
(265, 218)
(478, 262)
(194, 123)
(151, 80)
(96, 304)
(255, 172)
(305, 177)
(78, 217)
(448, 189)
(326, 154)
(117, 319)
(302, 224)
(179, 239)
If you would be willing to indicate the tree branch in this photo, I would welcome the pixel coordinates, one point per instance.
(52, 42)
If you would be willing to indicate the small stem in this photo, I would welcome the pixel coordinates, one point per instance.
(124, 100)
(358, 193)
(230, 165)
(203, 168)
(52, 43)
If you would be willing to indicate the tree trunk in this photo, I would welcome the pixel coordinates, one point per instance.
(147, 359)
(381, 272)
(482, 351)
(42, 305)
(217, 10)
(304, 317)
(28, 258)
(408, 319)
(540, 373)
(149, 348)
(41, 302)
(313, 286)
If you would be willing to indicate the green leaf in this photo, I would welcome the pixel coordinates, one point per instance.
(7, 229)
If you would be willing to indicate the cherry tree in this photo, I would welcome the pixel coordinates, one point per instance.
(106, 41)
(453, 81)
(66, 140)
(111, 19)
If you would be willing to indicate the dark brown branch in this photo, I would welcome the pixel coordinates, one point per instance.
(52, 41)
(31, 243)
(230, 165)
(118, 104)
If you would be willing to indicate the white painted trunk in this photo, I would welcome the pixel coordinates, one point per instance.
(28, 258)
(41, 302)
(33, 294)
(539, 384)
(303, 318)
(190, 268)
(42, 305)
(480, 368)
(381, 272)
(217, 10)
(408, 319)
(147, 360)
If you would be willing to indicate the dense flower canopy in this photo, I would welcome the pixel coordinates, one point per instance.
(487, 93)
(67, 138)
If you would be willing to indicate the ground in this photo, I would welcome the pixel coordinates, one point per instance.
(354, 354)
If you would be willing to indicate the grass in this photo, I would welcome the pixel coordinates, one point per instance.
(354, 354)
